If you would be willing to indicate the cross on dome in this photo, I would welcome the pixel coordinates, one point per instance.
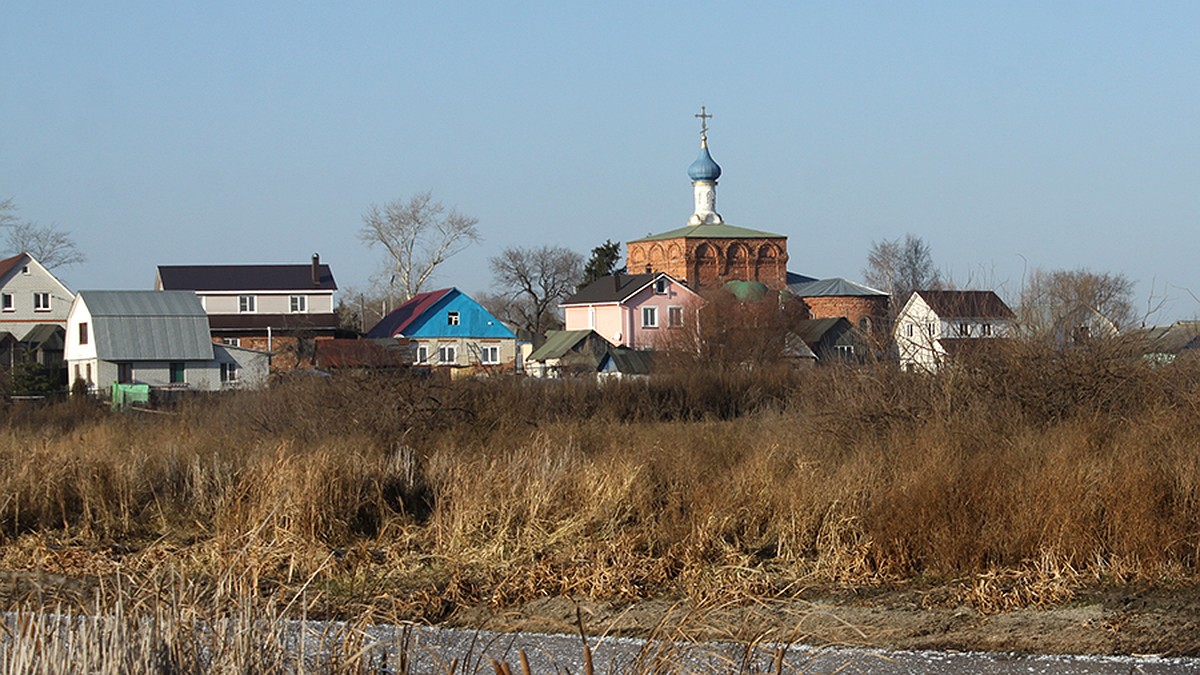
(704, 118)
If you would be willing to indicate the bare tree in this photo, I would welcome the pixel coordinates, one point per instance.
(1070, 305)
(531, 282)
(48, 245)
(418, 235)
(900, 267)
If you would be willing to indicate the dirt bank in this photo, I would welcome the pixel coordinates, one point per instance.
(1128, 621)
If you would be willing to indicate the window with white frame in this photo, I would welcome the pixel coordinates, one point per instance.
(25, 270)
(844, 352)
(41, 302)
(247, 303)
(8, 302)
(675, 317)
(298, 303)
(229, 372)
(660, 286)
(422, 354)
(447, 354)
(452, 318)
(649, 317)
(489, 355)
(232, 342)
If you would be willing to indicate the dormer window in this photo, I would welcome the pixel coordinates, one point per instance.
(451, 318)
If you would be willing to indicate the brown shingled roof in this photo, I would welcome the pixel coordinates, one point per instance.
(967, 304)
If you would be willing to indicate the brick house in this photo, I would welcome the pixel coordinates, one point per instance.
(864, 307)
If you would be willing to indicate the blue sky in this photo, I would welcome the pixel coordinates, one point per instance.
(1009, 135)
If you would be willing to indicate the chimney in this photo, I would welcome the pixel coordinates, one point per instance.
(649, 270)
(316, 270)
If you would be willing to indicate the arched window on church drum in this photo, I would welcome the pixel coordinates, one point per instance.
(738, 263)
(704, 264)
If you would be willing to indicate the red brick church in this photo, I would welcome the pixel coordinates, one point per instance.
(708, 253)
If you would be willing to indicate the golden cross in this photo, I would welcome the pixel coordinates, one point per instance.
(704, 118)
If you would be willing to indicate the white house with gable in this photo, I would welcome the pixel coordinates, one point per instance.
(935, 325)
(157, 338)
(30, 296)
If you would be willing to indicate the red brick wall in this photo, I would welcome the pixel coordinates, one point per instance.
(709, 263)
(854, 308)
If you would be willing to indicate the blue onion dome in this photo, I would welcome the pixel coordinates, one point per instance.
(704, 168)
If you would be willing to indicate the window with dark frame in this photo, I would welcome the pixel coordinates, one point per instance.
(675, 317)
(124, 373)
(177, 372)
(83, 333)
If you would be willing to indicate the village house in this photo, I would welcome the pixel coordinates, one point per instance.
(451, 331)
(935, 325)
(833, 340)
(567, 353)
(640, 311)
(155, 338)
(281, 309)
(30, 296)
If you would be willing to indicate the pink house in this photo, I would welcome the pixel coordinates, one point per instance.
(633, 310)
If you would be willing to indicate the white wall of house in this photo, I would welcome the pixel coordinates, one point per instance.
(919, 330)
(466, 351)
(74, 346)
(251, 368)
(266, 302)
(18, 314)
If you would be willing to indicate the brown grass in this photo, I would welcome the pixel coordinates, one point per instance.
(1018, 478)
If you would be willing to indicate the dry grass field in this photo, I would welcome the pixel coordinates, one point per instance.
(1017, 480)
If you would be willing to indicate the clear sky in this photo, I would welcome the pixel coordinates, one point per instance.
(1009, 135)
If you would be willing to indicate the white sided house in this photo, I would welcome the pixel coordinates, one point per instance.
(933, 326)
(30, 296)
(156, 338)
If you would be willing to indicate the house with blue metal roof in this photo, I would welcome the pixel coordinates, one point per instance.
(451, 330)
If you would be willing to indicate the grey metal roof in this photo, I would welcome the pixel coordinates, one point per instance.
(835, 287)
(142, 303)
(148, 325)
